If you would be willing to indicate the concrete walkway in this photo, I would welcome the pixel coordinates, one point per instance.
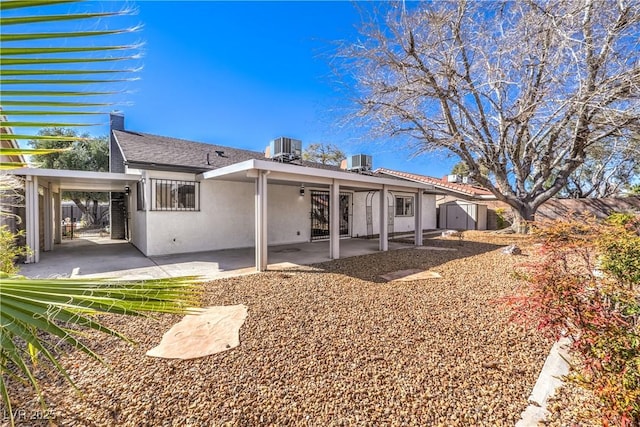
(102, 257)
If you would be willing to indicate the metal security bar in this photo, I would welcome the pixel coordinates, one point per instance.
(174, 195)
(320, 214)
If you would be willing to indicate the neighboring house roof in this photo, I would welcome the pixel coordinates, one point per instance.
(463, 189)
(143, 150)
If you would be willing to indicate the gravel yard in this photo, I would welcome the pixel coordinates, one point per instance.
(328, 345)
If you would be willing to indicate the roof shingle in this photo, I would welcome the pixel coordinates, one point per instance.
(143, 149)
(469, 190)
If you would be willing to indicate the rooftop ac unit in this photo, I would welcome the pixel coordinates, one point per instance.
(285, 149)
(359, 162)
(453, 178)
(467, 180)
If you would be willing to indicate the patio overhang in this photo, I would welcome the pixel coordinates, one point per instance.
(53, 183)
(264, 172)
(287, 173)
(69, 180)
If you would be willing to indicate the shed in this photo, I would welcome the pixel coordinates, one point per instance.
(462, 215)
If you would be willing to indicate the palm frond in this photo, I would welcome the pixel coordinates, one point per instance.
(31, 151)
(29, 59)
(56, 18)
(63, 308)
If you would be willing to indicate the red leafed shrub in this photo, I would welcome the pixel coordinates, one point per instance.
(586, 286)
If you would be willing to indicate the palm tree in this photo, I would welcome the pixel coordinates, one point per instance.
(35, 74)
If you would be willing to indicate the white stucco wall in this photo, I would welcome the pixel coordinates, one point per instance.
(227, 211)
(401, 224)
(288, 215)
(225, 219)
(137, 223)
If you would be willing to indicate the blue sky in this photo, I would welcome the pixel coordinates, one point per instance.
(242, 73)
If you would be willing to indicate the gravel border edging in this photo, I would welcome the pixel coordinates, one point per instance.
(550, 378)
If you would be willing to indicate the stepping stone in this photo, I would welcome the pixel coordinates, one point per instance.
(436, 248)
(409, 275)
(214, 330)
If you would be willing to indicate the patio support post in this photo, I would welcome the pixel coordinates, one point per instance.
(334, 220)
(31, 218)
(384, 219)
(57, 218)
(418, 217)
(261, 221)
(48, 218)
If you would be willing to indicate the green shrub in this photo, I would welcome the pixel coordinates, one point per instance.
(620, 248)
(10, 250)
(501, 218)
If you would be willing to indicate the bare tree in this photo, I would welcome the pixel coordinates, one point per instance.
(610, 167)
(327, 154)
(523, 89)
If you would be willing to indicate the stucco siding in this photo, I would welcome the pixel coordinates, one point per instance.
(288, 215)
(225, 219)
(137, 223)
(400, 224)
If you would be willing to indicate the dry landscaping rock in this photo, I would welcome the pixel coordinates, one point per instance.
(334, 345)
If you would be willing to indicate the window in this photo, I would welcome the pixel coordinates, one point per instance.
(140, 195)
(404, 206)
(172, 195)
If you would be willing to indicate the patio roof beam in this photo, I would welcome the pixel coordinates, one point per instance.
(31, 218)
(293, 172)
(418, 218)
(47, 212)
(334, 220)
(261, 221)
(57, 218)
(384, 219)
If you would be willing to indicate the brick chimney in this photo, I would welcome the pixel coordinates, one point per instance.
(116, 161)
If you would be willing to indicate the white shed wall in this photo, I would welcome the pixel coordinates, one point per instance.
(463, 215)
(482, 217)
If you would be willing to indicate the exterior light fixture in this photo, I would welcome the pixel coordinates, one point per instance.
(301, 190)
(127, 190)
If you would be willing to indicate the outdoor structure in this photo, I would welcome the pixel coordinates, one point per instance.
(462, 215)
(173, 196)
(43, 207)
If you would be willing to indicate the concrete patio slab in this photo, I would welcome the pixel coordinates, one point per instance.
(102, 257)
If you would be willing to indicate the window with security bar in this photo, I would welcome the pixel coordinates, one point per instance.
(173, 195)
(404, 206)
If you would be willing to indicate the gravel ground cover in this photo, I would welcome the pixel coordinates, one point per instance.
(332, 344)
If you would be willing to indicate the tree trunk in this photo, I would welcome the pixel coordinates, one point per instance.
(93, 219)
(80, 205)
(522, 217)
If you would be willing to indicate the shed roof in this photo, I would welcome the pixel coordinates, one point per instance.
(464, 189)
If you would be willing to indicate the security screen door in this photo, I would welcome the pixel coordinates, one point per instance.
(320, 214)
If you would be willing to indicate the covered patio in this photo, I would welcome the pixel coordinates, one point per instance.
(43, 224)
(103, 257)
(265, 172)
(43, 188)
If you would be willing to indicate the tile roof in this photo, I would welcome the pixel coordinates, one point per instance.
(466, 189)
(154, 151)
